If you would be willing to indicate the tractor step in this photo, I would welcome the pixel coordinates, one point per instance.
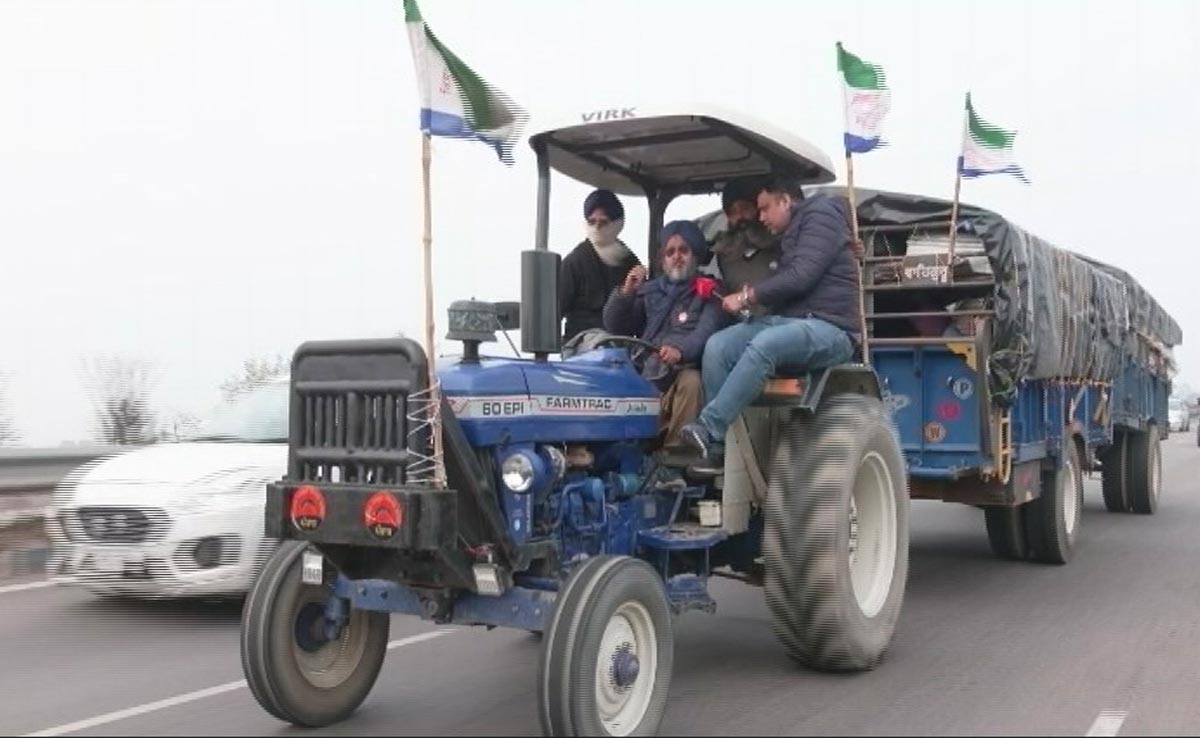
(694, 466)
(682, 536)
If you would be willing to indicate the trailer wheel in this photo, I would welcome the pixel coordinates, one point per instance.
(1052, 520)
(293, 671)
(1145, 471)
(1006, 532)
(1114, 475)
(608, 653)
(835, 543)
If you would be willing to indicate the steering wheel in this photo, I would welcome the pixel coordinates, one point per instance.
(639, 350)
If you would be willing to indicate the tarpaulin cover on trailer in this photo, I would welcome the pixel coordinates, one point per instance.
(1058, 314)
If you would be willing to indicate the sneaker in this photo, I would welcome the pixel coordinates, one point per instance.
(694, 437)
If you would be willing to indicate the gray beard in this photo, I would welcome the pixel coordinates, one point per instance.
(678, 275)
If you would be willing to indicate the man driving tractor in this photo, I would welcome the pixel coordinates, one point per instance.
(677, 312)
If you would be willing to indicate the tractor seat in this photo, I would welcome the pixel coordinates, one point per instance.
(788, 386)
(804, 387)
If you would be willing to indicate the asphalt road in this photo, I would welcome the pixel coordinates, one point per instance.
(1110, 642)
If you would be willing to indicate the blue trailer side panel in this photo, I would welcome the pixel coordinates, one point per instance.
(937, 404)
(1139, 398)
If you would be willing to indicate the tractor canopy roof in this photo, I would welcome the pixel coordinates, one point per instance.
(682, 150)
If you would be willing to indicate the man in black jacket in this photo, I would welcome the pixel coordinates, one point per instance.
(812, 313)
(596, 267)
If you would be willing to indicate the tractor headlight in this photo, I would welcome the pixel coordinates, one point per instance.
(518, 472)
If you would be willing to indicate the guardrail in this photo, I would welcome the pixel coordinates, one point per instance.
(28, 477)
(32, 470)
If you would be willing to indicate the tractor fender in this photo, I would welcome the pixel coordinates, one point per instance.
(809, 392)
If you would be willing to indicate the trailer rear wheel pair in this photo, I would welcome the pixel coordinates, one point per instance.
(836, 553)
(1132, 471)
(1046, 529)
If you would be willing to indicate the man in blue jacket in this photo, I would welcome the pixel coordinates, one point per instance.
(678, 313)
(811, 320)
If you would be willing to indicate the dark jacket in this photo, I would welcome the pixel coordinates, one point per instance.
(816, 274)
(584, 284)
(653, 314)
(746, 257)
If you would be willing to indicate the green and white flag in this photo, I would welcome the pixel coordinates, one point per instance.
(868, 100)
(987, 149)
(455, 101)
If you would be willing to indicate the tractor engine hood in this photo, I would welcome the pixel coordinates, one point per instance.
(598, 396)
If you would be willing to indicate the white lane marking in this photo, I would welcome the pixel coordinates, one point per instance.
(418, 638)
(1107, 724)
(27, 586)
(199, 694)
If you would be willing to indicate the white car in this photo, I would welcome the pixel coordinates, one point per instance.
(175, 519)
(1178, 418)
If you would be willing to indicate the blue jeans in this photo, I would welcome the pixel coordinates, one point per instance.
(740, 359)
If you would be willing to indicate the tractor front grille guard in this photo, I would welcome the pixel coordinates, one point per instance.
(426, 463)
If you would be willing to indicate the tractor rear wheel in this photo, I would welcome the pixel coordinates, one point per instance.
(835, 542)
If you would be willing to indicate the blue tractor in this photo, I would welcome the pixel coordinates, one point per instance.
(559, 515)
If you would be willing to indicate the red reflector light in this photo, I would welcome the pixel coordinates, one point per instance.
(308, 508)
(383, 515)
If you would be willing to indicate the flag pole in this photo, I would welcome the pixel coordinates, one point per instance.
(954, 221)
(862, 302)
(435, 408)
(958, 169)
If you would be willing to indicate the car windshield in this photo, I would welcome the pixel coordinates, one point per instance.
(258, 416)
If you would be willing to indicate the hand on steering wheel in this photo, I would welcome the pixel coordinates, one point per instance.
(639, 350)
(613, 338)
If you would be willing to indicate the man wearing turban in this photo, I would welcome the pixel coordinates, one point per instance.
(677, 312)
(596, 267)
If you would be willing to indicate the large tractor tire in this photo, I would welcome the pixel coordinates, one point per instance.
(1052, 520)
(1145, 471)
(608, 653)
(1114, 474)
(1006, 532)
(293, 671)
(835, 543)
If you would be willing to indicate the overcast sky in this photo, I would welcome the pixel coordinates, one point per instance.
(195, 183)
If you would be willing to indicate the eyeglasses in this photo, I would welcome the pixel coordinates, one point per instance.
(598, 222)
(681, 250)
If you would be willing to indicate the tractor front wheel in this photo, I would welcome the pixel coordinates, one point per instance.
(294, 670)
(608, 653)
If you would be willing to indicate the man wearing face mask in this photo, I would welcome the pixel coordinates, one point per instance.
(596, 267)
(671, 312)
(746, 252)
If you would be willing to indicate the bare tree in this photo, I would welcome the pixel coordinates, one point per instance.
(254, 372)
(119, 388)
(178, 426)
(9, 436)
